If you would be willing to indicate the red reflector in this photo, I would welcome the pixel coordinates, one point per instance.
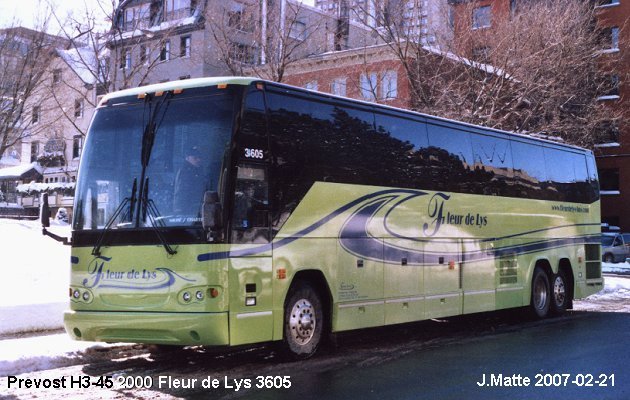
(214, 292)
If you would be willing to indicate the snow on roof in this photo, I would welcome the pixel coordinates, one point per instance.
(19, 170)
(82, 61)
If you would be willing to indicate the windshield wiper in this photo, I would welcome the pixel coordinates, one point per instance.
(96, 250)
(148, 138)
(155, 219)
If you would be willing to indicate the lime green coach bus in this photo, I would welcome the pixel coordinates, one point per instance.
(228, 211)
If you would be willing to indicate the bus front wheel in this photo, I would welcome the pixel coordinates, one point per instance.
(541, 293)
(303, 322)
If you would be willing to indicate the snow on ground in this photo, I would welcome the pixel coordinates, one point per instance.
(35, 277)
(38, 353)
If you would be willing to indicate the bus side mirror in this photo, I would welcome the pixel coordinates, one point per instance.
(211, 214)
(44, 211)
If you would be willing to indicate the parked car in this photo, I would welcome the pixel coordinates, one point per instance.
(615, 247)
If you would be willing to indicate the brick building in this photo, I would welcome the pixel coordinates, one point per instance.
(613, 157)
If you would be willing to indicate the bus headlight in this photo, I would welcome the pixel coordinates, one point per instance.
(199, 295)
(76, 294)
(186, 297)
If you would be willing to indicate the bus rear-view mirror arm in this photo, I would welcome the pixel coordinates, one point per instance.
(44, 216)
(211, 215)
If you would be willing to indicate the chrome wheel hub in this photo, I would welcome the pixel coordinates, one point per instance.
(302, 321)
(559, 291)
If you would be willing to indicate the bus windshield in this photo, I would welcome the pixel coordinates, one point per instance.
(186, 153)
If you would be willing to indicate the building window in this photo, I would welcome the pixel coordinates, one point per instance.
(607, 2)
(298, 30)
(389, 85)
(608, 133)
(56, 76)
(36, 117)
(77, 145)
(144, 54)
(34, 151)
(242, 53)
(338, 86)
(609, 180)
(176, 9)
(78, 108)
(184, 46)
(312, 85)
(125, 58)
(165, 52)
(610, 39)
(368, 85)
(481, 54)
(482, 17)
(239, 18)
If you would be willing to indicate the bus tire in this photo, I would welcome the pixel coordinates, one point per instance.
(303, 322)
(541, 293)
(560, 293)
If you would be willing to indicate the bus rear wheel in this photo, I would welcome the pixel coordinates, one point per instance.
(303, 322)
(541, 293)
(559, 294)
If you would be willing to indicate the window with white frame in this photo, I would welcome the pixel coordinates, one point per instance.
(125, 58)
(338, 86)
(184, 46)
(368, 85)
(298, 30)
(482, 17)
(36, 115)
(78, 108)
(77, 145)
(165, 51)
(56, 76)
(389, 85)
(312, 85)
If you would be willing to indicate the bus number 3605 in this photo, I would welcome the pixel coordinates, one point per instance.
(254, 153)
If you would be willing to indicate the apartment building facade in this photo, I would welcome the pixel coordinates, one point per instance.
(160, 40)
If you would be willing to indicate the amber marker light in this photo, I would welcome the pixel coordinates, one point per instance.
(260, 86)
(160, 93)
(178, 91)
(142, 95)
(282, 273)
(222, 86)
(451, 265)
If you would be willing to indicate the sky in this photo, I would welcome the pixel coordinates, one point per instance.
(30, 13)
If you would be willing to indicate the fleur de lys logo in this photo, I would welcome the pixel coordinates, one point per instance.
(100, 276)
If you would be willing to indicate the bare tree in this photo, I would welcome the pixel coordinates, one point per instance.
(537, 69)
(24, 57)
(264, 38)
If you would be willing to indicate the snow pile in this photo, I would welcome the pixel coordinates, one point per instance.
(619, 268)
(20, 356)
(615, 288)
(35, 277)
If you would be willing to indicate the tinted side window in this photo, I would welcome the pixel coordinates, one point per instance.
(450, 152)
(252, 140)
(406, 153)
(593, 178)
(492, 165)
(529, 170)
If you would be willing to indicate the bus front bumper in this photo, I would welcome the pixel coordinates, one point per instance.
(148, 327)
